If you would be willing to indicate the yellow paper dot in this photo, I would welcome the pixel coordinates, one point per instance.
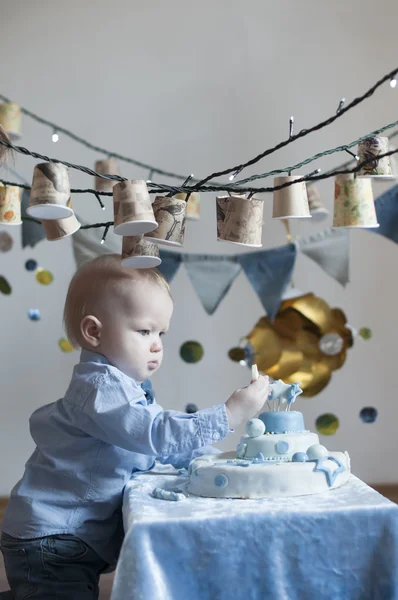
(43, 276)
(65, 345)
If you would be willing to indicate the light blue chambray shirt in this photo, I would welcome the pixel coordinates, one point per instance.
(89, 443)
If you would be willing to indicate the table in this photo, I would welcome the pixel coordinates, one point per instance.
(340, 545)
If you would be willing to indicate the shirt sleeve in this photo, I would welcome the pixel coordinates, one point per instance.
(119, 415)
(181, 461)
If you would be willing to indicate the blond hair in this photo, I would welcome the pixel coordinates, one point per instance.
(95, 280)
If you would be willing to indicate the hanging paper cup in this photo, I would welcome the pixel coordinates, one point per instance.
(353, 202)
(57, 229)
(10, 119)
(10, 205)
(139, 253)
(240, 220)
(132, 208)
(170, 216)
(193, 204)
(108, 166)
(50, 194)
(317, 209)
(290, 202)
(370, 149)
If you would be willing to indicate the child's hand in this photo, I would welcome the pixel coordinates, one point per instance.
(246, 402)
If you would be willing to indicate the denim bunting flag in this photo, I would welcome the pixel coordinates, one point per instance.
(330, 249)
(269, 272)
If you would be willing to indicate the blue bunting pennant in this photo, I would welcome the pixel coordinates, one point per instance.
(269, 272)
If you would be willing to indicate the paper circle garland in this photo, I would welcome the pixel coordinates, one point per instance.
(191, 408)
(65, 345)
(365, 333)
(34, 314)
(31, 265)
(327, 424)
(6, 241)
(5, 287)
(44, 277)
(368, 414)
(191, 352)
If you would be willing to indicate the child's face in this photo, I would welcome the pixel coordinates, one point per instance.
(132, 331)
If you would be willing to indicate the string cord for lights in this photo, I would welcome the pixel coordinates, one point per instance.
(307, 161)
(87, 144)
(313, 178)
(292, 138)
(230, 188)
(238, 168)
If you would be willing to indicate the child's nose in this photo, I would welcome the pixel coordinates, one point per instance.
(156, 346)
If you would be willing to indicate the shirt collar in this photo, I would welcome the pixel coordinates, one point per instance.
(90, 356)
(96, 357)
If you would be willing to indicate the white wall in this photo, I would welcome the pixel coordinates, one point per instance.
(198, 87)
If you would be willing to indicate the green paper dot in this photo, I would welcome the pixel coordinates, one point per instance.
(191, 352)
(65, 345)
(365, 333)
(5, 287)
(327, 424)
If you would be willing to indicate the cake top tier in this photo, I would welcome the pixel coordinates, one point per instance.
(282, 421)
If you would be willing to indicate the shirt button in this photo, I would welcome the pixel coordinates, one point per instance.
(216, 435)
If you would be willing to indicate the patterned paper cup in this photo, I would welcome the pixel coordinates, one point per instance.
(170, 216)
(108, 166)
(57, 229)
(193, 205)
(10, 119)
(139, 253)
(377, 167)
(240, 220)
(50, 194)
(317, 209)
(10, 205)
(133, 208)
(290, 202)
(353, 202)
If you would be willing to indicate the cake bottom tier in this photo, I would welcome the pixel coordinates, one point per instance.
(224, 476)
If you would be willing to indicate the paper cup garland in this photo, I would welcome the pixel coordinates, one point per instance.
(57, 229)
(240, 220)
(139, 253)
(108, 166)
(132, 208)
(353, 202)
(10, 205)
(371, 148)
(170, 215)
(50, 194)
(10, 119)
(193, 204)
(290, 202)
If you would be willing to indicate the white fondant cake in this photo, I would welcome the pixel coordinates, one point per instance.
(277, 457)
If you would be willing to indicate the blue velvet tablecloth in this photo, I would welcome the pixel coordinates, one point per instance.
(340, 545)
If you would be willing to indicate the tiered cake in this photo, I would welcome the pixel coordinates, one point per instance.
(277, 457)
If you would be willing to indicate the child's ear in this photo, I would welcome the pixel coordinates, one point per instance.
(90, 329)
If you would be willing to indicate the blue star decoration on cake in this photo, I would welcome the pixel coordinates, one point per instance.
(323, 467)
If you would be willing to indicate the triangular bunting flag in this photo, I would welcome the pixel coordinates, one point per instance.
(170, 264)
(269, 272)
(387, 214)
(87, 244)
(330, 248)
(211, 276)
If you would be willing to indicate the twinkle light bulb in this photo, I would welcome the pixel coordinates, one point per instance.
(393, 82)
(55, 137)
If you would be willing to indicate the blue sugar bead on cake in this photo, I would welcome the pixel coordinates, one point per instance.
(283, 421)
(299, 457)
(317, 451)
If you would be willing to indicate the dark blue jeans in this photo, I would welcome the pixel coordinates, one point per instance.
(57, 567)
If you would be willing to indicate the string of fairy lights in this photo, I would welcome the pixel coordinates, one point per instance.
(234, 186)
